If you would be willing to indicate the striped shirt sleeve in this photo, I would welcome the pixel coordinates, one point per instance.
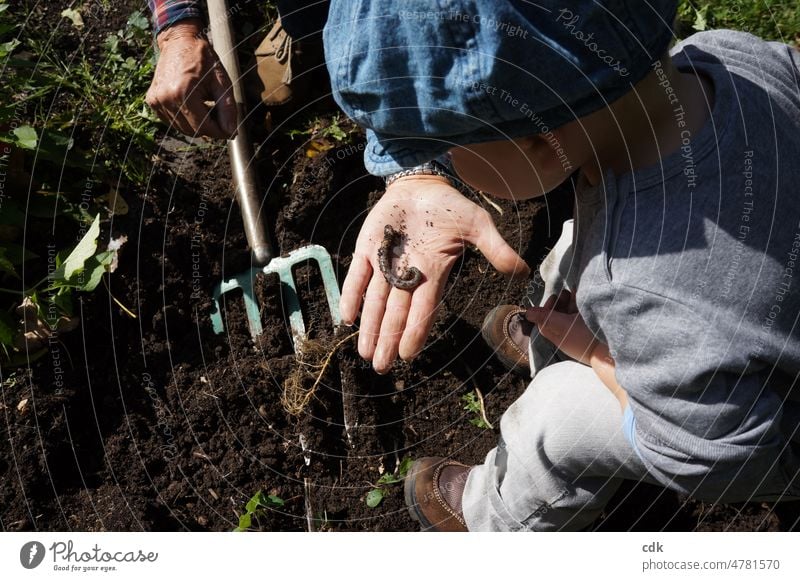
(166, 12)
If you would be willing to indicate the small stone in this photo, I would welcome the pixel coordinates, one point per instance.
(202, 521)
(399, 385)
(262, 410)
(22, 406)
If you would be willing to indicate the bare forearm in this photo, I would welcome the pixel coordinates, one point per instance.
(603, 365)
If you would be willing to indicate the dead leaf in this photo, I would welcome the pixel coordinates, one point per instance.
(115, 202)
(74, 16)
(317, 146)
(36, 331)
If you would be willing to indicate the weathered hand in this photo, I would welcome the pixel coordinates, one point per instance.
(188, 76)
(559, 321)
(436, 221)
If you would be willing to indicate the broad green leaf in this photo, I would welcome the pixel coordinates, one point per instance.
(78, 257)
(375, 496)
(276, 500)
(245, 520)
(3, 7)
(253, 504)
(94, 269)
(405, 466)
(26, 137)
(139, 20)
(7, 48)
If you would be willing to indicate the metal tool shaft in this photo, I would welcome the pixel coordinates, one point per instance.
(240, 148)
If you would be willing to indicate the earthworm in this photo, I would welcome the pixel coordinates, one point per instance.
(410, 277)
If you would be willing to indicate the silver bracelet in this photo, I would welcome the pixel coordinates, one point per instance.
(430, 168)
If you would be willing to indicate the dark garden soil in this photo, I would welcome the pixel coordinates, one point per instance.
(156, 423)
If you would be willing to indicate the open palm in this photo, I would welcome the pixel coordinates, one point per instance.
(436, 221)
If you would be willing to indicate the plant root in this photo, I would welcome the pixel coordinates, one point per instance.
(312, 362)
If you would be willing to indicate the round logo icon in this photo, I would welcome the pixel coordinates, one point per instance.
(31, 554)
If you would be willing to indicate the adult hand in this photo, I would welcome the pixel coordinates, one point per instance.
(560, 323)
(187, 78)
(436, 221)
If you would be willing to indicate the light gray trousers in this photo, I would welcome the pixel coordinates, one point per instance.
(562, 453)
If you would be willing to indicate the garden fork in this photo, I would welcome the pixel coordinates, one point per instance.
(247, 194)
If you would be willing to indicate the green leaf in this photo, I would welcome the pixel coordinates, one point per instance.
(253, 503)
(139, 20)
(276, 500)
(7, 48)
(336, 132)
(63, 300)
(78, 257)
(245, 520)
(54, 146)
(700, 21)
(389, 478)
(7, 328)
(96, 267)
(375, 497)
(26, 137)
(405, 466)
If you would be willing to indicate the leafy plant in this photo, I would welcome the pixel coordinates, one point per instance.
(769, 19)
(68, 122)
(473, 403)
(380, 490)
(81, 270)
(69, 99)
(256, 509)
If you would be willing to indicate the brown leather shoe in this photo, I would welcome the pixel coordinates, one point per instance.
(506, 330)
(433, 490)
